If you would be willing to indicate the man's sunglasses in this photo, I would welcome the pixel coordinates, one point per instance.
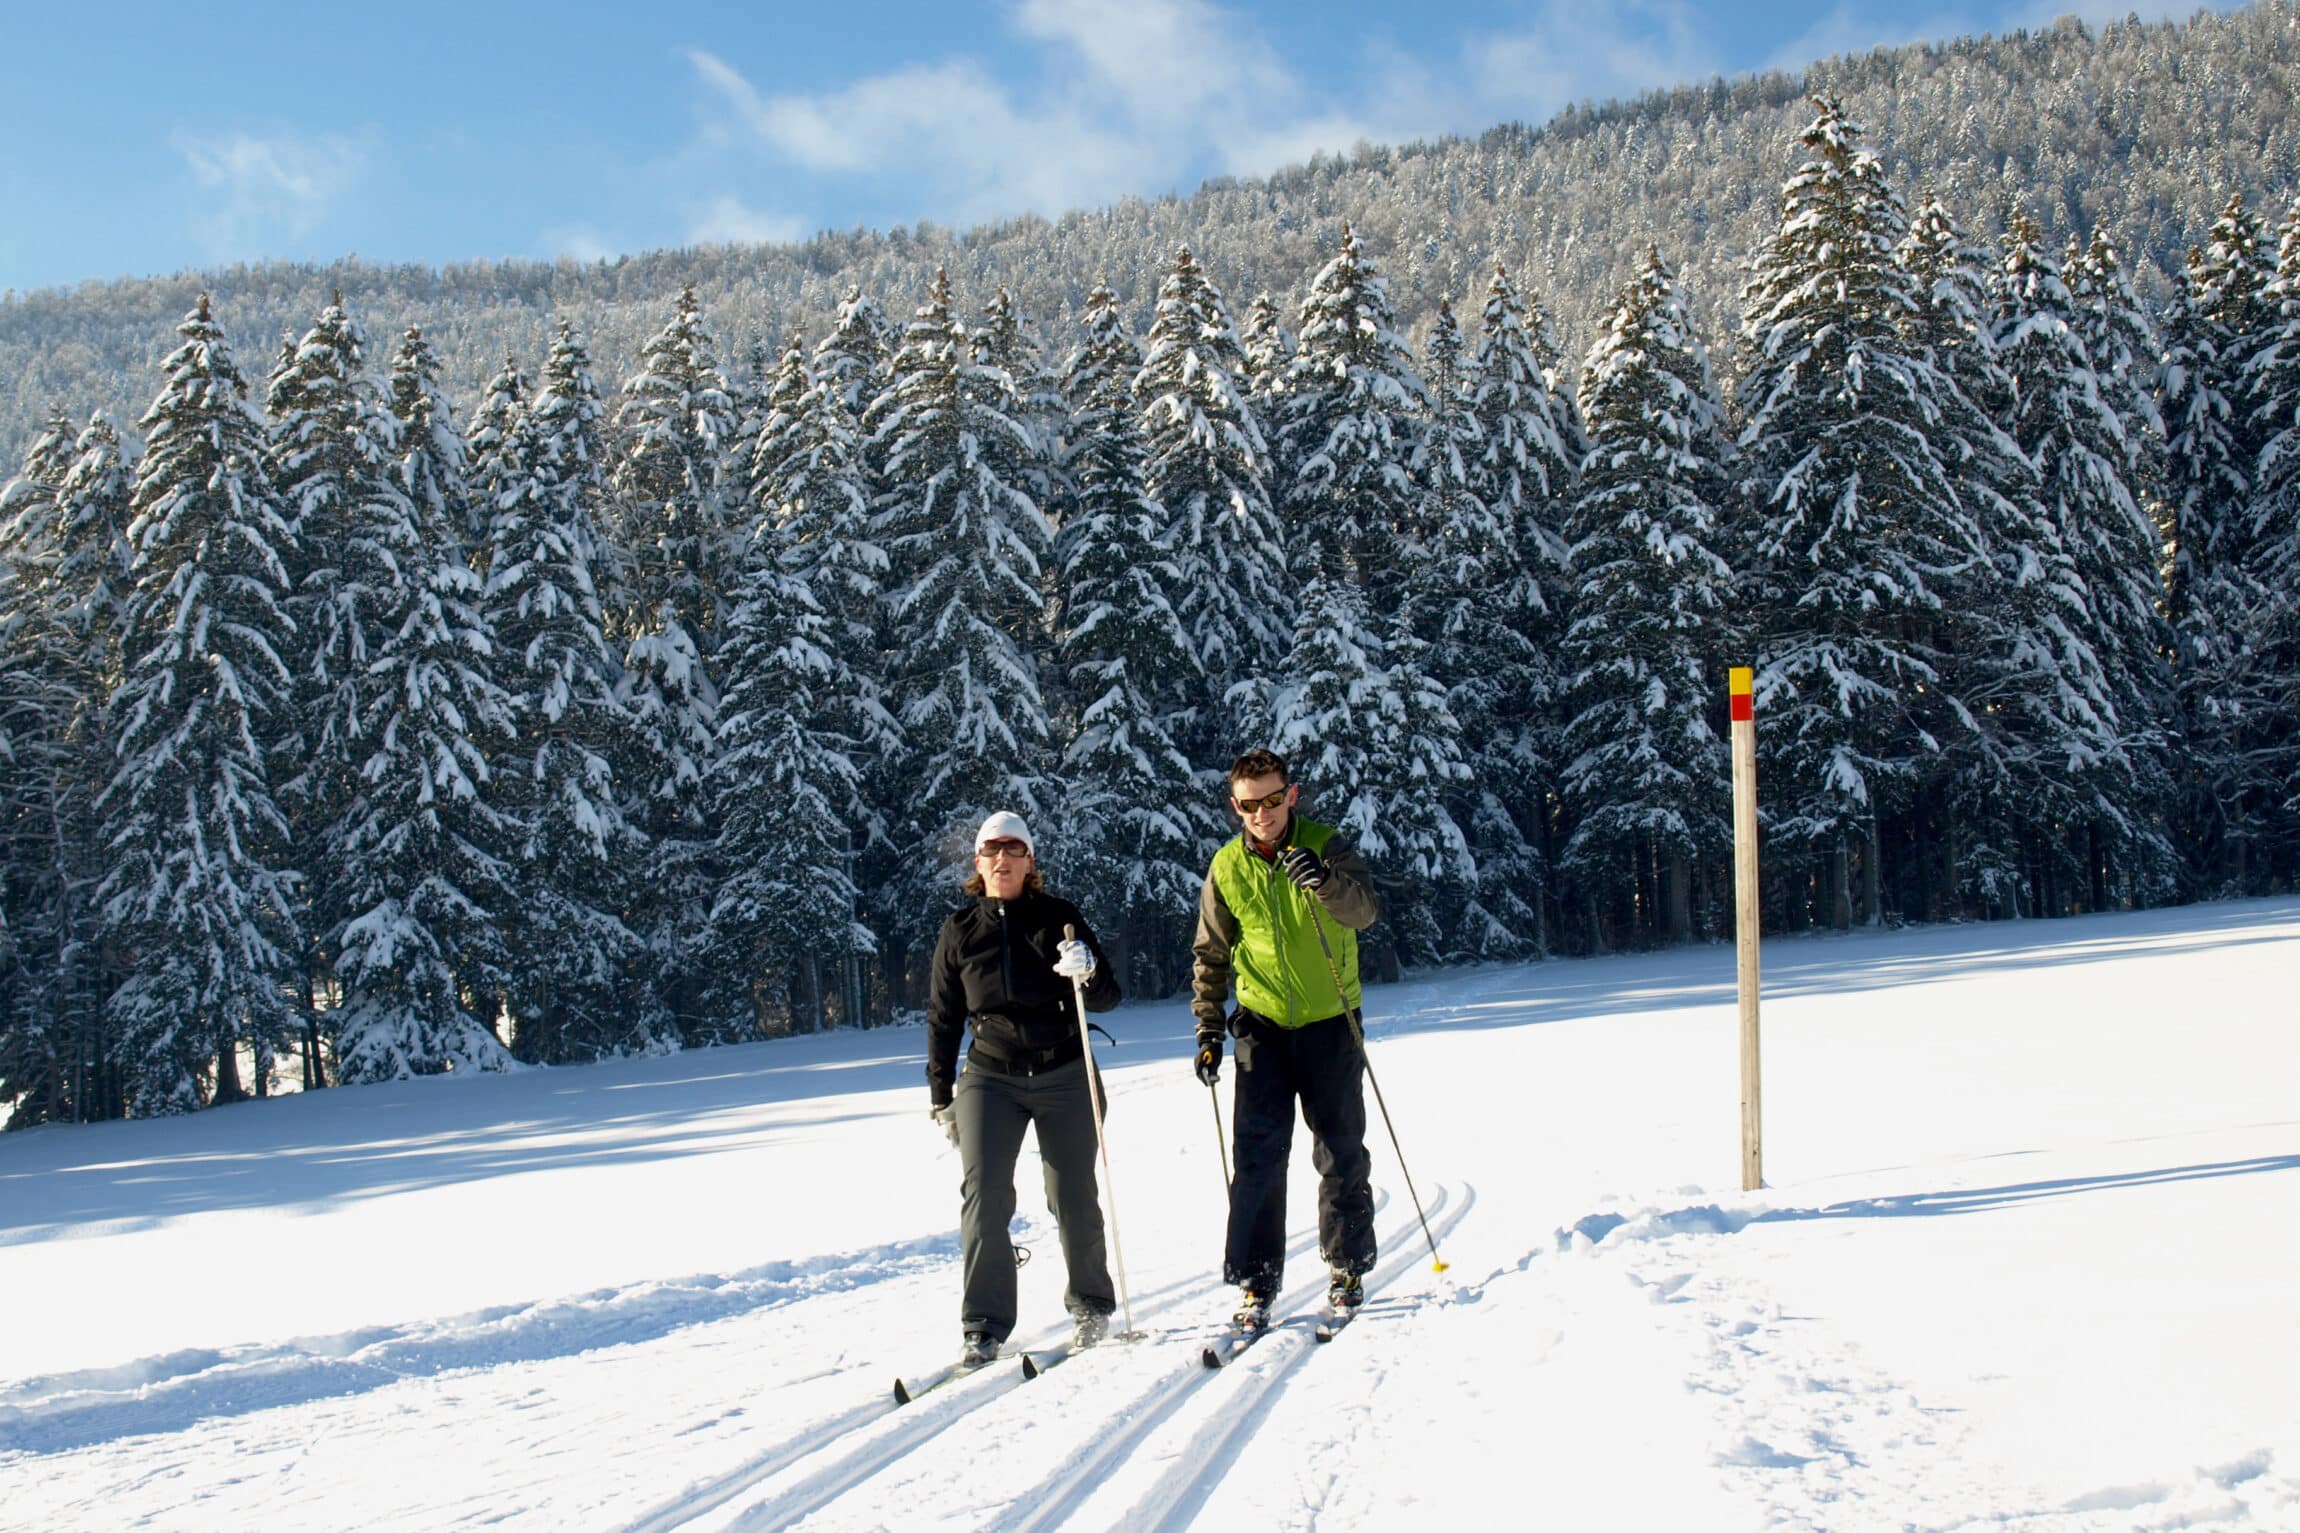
(1012, 851)
(1250, 805)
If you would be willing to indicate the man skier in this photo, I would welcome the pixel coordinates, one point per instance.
(1268, 896)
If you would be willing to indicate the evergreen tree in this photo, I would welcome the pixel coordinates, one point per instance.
(680, 496)
(424, 853)
(1133, 824)
(572, 950)
(783, 784)
(1510, 700)
(199, 894)
(2057, 709)
(1856, 527)
(496, 457)
(1644, 757)
(2217, 318)
(676, 424)
(2273, 545)
(812, 511)
(968, 547)
(1348, 424)
(1208, 466)
(1463, 553)
(1977, 850)
(334, 458)
(41, 693)
(434, 460)
(1037, 406)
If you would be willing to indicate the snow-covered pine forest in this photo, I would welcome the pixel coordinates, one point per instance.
(355, 731)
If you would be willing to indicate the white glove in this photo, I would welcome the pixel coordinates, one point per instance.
(946, 1118)
(1073, 959)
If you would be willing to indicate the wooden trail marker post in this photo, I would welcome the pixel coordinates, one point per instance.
(1745, 917)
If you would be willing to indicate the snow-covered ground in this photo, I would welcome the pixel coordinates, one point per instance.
(2029, 1257)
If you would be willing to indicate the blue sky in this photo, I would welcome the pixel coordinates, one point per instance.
(145, 138)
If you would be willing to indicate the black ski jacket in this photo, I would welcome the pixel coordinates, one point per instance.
(994, 964)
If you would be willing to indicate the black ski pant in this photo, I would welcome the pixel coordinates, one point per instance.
(994, 1110)
(1319, 1064)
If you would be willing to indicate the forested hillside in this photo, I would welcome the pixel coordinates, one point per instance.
(2142, 130)
(373, 703)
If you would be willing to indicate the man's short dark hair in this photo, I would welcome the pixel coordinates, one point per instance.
(1259, 763)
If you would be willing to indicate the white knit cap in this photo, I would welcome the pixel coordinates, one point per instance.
(1005, 825)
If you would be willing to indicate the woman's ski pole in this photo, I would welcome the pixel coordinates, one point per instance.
(1094, 1095)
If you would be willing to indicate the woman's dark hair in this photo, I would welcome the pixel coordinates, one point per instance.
(1032, 881)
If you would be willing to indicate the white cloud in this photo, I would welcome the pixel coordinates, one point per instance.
(727, 221)
(1146, 95)
(267, 188)
(581, 243)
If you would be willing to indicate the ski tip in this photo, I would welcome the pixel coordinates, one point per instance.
(901, 1393)
(1030, 1368)
(1211, 1357)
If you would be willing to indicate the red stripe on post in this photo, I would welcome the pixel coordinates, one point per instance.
(1738, 682)
(1744, 708)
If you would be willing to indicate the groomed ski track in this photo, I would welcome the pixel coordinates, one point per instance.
(1149, 1428)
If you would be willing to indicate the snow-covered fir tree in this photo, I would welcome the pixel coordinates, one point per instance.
(571, 949)
(1350, 420)
(199, 893)
(969, 549)
(2217, 318)
(1853, 527)
(2052, 704)
(1134, 828)
(1348, 423)
(425, 854)
(434, 459)
(784, 787)
(1652, 627)
(1367, 733)
(48, 694)
(813, 493)
(812, 510)
(1463, 553)
(681, 499)
(1524, 475)
(496, 456)
(1004, 341)
(334, 458)
(676, 424)
(1209, 467)
(2273, 548)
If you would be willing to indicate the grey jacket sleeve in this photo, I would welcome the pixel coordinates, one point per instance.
(1210, 956)
(1348, 894)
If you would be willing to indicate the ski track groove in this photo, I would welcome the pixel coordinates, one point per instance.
(1218, 1441)
(918, 1422)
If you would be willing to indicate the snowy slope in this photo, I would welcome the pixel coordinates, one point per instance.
(2026, 1260)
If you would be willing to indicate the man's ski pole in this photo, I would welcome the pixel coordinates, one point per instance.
(1221, 1140)
(1094, 1095)
(1317, 921)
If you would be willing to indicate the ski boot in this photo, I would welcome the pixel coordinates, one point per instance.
(979, 1349)
(1345, 1291)
(1088, 1330)
(1253, 1312)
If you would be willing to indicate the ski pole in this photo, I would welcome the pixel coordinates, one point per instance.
(1102, 1144)
(1221, 1140)
(1317, 921)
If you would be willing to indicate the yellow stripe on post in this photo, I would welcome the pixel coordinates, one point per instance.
(1741, 695)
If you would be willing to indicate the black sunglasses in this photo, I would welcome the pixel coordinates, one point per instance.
(1249, 805)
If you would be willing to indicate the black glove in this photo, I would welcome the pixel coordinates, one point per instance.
(1209, 1060)
(1304, 867)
